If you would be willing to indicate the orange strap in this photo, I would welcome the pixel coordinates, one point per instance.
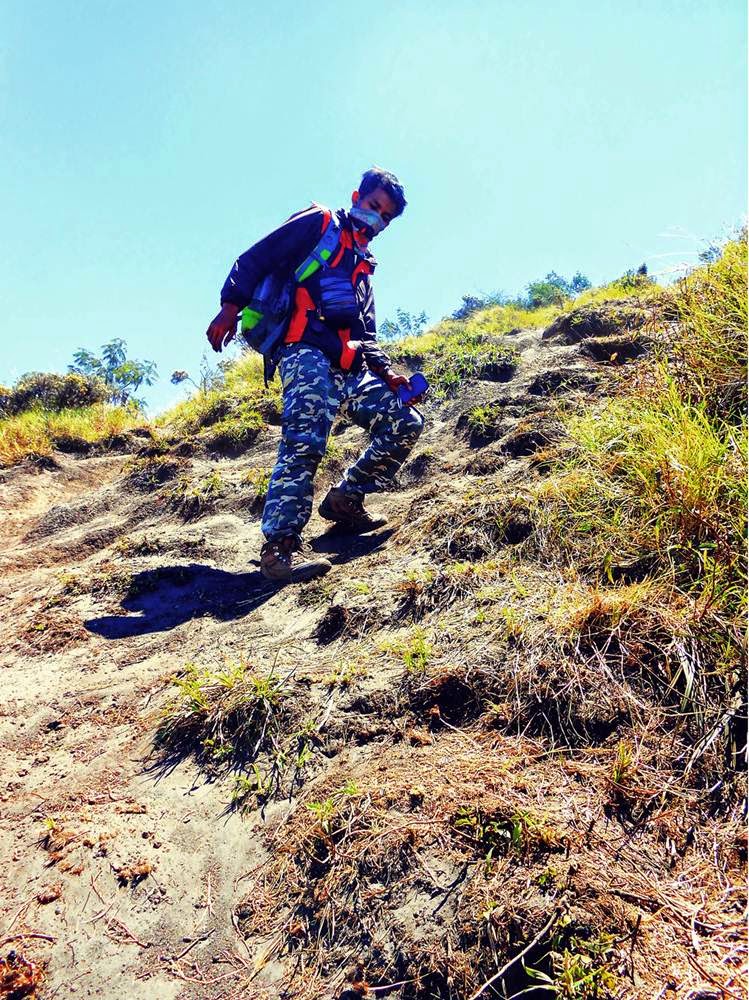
(361, 268)
(302, 305)
(348, 353)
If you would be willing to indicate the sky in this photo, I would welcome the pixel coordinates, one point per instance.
(144, 145)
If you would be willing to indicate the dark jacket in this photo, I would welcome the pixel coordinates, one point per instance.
(283, 250)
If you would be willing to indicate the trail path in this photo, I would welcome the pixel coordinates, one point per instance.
(144, 858)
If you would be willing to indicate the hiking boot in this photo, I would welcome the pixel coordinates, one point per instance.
(275, 559)
(347, 510)
(276, 562)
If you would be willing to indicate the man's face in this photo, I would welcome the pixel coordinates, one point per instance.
(379, 201)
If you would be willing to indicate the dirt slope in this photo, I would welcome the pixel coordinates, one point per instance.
(127, 873)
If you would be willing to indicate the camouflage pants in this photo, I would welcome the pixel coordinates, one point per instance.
(313, 392)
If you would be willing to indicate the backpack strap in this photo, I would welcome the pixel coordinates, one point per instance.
(323, 250)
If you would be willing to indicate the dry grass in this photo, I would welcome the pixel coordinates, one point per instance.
(434, 866)
(233, 411)
(39, 431)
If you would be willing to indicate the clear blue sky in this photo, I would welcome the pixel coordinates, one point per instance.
(144, 145)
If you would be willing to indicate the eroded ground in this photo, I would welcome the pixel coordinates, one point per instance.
(422, 820)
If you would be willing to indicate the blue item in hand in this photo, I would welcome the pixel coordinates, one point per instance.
(419, 385)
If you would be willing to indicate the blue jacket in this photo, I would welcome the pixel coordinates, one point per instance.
(283, 250)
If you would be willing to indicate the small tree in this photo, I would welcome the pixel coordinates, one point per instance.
(407, 325)
(554, 290)
(122, 375)
(472, 304)
(579, 283)
(550, 291)
(210, 377)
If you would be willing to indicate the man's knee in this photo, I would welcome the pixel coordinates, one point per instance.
(303, 447)
(409, 426)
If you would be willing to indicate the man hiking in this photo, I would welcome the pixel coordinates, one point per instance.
(329, 360)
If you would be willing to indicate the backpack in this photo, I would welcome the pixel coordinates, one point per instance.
(266, 319)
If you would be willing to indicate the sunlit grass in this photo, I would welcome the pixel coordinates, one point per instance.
(710, 350)
(38, 431)
(240, 393)
(651, 478)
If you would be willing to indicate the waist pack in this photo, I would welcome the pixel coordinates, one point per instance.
(266, 319)
(339, 307)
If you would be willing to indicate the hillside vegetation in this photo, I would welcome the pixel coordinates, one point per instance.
(71, 412)
(498, 751)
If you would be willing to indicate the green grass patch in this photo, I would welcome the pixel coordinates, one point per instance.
(236, 431)
(708, 353)
(39, 431)
(235, 707)
(653, 479)
(192, 498)
(235, 409)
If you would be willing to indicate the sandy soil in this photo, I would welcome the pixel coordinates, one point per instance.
(122, 870)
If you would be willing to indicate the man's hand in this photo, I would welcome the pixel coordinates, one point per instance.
(223, 327)
(395, 381)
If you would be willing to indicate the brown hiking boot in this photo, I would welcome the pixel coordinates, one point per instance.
(275, 559)
(347, 510)
(276, 562)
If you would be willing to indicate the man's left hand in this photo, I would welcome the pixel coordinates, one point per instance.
(395, 381)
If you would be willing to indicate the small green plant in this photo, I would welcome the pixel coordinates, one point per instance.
(345, 674)
(70, 583)
(548, 878)
(623, 762)
(329, 813)
(497, 834)
(253, 789)
(417, 652)
(512, 622)
(579, 970)
(193, 499)
(482, 420)
(259, 480)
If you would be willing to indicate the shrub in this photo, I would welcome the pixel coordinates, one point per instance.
(51, 391)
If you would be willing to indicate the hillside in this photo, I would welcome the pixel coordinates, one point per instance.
(497, 751)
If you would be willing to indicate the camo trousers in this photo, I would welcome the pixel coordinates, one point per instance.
(313, 392)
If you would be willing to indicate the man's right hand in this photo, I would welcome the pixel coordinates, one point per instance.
(223, 328)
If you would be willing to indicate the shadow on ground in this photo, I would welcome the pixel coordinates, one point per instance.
(163, 598)
(343, 547)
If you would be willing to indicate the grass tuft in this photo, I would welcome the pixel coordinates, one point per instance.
(39, 431)
(233, 411)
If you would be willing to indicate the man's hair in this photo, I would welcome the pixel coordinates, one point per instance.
(377, 177)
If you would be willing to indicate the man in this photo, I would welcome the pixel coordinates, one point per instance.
(329, 361)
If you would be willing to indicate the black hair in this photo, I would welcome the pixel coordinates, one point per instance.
(377, 177)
